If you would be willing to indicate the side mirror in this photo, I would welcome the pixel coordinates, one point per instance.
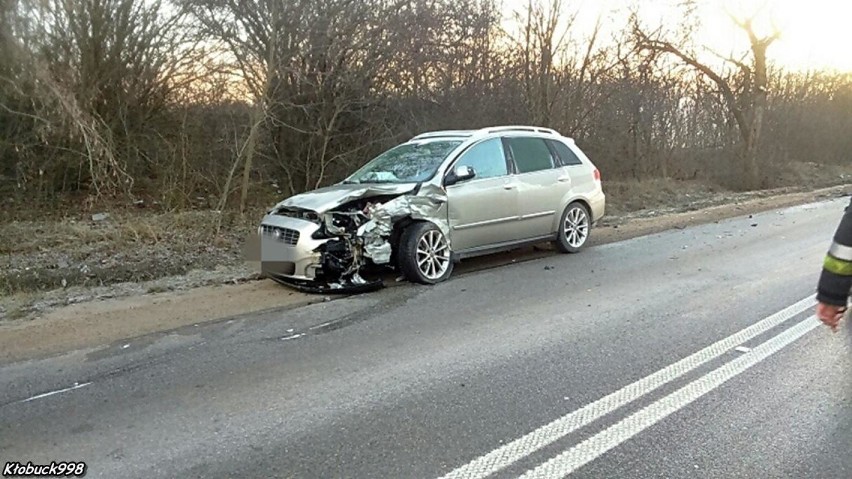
(460, 173)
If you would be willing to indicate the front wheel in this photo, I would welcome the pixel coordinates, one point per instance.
(424, 254)
(574, 228)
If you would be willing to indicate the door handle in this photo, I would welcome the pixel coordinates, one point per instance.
(564, 179)
(508, 187)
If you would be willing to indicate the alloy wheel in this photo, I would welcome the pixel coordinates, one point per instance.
(433, 255)
(576, 227)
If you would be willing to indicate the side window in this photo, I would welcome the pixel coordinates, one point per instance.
(486, 159)
(530, 154)
(566, 154)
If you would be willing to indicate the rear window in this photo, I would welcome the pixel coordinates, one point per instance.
(566, 155)
(530, 154)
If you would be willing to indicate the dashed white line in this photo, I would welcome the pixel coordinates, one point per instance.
(294, 336)
(58, 391)
(323, 325)
(513, 451)
(592, 448)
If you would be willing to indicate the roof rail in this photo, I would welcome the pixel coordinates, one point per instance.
(531, 129)
(444, 134)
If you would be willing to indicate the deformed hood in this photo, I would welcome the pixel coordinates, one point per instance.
(330, 197)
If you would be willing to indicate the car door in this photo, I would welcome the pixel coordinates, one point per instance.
(483, 210)
(541, 184)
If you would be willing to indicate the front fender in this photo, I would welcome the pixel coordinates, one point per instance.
(428, 205)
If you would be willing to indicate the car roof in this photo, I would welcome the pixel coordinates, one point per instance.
(482, 132)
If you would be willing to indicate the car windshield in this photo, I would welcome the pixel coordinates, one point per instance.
(407, 163)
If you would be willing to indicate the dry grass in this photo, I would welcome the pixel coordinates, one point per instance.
(128, 246)
(666, 194)
(122, 230)
(811, 175)
(628, 196)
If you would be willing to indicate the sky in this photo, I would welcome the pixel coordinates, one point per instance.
(815, 34)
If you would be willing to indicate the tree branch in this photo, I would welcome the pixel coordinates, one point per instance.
(724, 86)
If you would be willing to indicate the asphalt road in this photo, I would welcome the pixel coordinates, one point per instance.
(617, 362)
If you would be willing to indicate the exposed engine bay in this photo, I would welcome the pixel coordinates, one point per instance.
(343, 255)
(358, 235)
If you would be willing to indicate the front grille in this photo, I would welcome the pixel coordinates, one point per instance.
(284, 235)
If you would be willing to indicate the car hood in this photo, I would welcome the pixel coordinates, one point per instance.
(330, 197)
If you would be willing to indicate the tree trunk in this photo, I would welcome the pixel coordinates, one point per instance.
(750, 179)
(752, 166)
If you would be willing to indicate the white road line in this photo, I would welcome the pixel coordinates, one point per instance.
(548, 434)
(592, 448)
(293, 336)
(51, 393)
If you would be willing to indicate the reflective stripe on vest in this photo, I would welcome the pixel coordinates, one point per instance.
(841, 252)
(837, 266)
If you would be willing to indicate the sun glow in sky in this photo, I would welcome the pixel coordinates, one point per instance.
(815, 34)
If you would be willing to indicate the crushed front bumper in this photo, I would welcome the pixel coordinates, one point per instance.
(286, 247)
(288, 254)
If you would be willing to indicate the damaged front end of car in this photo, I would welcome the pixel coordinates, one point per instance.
(344, 246)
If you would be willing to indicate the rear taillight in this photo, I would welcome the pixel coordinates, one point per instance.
(597, 174)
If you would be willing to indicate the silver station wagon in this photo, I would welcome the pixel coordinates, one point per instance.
(428, 203)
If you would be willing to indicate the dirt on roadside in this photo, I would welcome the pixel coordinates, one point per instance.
(103, 322)
(100, 319)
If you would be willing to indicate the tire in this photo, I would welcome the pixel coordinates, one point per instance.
(424, 254)
(574, 228)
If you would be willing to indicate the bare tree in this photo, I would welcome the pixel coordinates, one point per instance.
(542, 38)
(745, 95)
(98, 72)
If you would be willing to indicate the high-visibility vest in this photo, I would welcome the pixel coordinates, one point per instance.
(836, 279)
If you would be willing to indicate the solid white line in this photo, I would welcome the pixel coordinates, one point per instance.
(592, 448)
(51, 393)
(548, 434)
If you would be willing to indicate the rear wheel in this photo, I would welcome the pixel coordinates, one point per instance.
(574, 228)
(424, 254)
